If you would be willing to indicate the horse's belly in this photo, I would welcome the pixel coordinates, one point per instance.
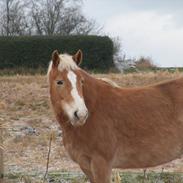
(146, 157)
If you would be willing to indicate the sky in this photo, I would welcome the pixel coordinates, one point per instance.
(152, 28)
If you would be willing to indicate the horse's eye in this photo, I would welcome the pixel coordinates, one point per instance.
(60, 82)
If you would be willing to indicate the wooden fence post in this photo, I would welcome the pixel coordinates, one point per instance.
(1, 157)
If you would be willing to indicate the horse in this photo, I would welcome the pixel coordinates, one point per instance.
(106, 127)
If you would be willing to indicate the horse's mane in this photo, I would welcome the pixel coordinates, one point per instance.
(110, 82)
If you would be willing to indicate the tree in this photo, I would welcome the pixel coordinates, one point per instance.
(44, 17)
(52, 17)
(119, 57)
(13, 20)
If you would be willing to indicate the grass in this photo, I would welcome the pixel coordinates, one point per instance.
(120, 177)
(24, 101)
(22, 71)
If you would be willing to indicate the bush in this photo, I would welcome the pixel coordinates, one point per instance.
(35, 52)
(145, 63)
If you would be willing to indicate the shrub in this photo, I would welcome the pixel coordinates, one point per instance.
(145, 63)
(34, 52)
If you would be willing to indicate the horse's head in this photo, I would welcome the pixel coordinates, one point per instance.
(66, 87)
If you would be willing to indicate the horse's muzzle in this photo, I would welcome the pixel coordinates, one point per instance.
(79, 118)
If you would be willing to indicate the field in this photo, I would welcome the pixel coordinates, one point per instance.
(25, 107)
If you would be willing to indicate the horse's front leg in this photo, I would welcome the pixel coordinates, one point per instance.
(89, 175)
(101, 170)
(85, 165)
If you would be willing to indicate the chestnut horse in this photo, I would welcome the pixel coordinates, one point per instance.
(107, 127)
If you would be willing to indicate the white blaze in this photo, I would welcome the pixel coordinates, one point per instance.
(78, 103)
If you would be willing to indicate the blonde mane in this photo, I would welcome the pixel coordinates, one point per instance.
(110, 82)
(66, 62)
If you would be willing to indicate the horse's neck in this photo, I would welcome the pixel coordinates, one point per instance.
(91, 88)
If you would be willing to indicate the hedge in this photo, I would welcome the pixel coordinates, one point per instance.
(35, 51)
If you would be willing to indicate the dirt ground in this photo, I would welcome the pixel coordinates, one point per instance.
(25, 107)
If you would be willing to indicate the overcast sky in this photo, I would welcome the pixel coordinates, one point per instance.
(146, 27)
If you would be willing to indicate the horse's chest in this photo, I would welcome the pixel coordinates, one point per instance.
(72, 151)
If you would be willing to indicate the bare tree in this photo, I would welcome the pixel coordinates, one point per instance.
(5, 18)
(52, 17)
(74, 22)
(13, 18)
(44, 17)
(121, 62)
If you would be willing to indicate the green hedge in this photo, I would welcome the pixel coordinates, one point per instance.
(35, 52)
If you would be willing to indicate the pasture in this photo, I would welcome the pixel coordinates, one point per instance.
(25, 107)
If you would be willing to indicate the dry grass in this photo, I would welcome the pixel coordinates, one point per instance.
(24, 101)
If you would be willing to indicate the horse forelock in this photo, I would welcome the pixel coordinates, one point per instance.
(66, 63)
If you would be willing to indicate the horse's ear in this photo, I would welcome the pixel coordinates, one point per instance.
(78, 57)
(55, 58)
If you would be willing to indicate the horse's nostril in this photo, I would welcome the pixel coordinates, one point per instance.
(76, 114)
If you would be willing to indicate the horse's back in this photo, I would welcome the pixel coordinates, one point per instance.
(153, 132)
(174, 90)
